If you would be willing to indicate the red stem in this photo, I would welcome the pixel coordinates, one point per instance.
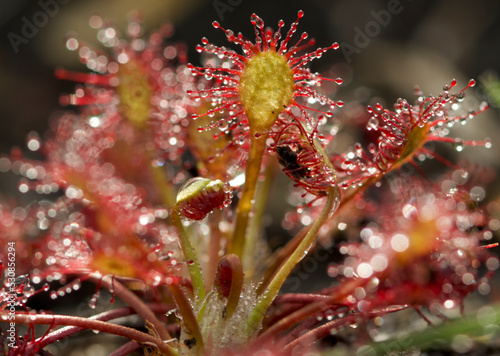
(307, 339)
(86, 323)
(125, 349)
(59, 334)
(300, 298)
(287, 322)
(132, 300)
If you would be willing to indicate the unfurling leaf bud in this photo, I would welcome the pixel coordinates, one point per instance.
(200, 196)
(229, 281)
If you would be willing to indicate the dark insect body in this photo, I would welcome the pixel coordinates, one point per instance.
(288, 158)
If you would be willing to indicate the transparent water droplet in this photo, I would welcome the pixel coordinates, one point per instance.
(93, 301)
(421, 123)
(240, 140)
(223, 125)
(354, 325)
(458, 145)
(29, 291)
(483, 106)
(372, 124)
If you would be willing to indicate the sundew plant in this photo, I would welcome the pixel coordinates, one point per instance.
(154, 185)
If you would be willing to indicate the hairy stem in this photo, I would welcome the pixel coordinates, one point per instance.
(190, 257)
(275, 284)
(62, 333)
(89, 324)
(132, 300)
(307, 339)
(290, 320)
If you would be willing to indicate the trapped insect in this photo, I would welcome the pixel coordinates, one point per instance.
(302, 161)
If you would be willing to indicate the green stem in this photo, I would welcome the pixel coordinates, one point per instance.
(190, 257)
(274, 286)
(255, 227)
(213, 249)
(279, 255)
(277, 258)
(257, 150)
